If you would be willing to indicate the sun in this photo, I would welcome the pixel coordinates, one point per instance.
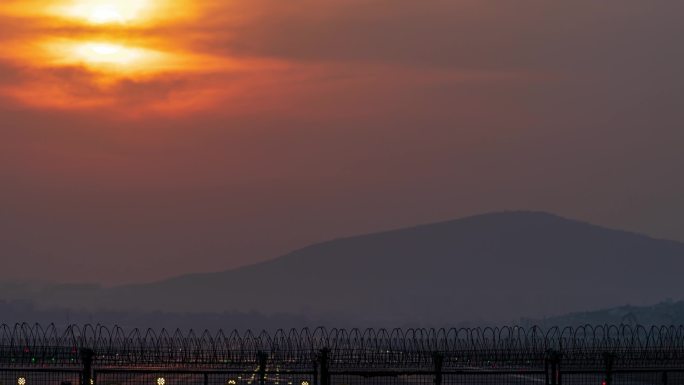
(101, 12)
(105, 14)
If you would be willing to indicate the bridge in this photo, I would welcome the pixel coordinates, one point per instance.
(96, 354)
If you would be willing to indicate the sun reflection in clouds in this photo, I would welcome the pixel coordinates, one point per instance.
(108, 58)
(106, 50)
(106, 53)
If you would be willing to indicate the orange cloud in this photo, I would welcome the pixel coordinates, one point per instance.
(142, 57)
(84, 54)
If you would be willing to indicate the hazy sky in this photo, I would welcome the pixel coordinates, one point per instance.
(142, 140)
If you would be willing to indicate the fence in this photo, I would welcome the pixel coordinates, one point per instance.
(610, 355)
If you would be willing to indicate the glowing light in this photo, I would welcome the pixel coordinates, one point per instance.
(106, 53)
(100, 13)
(305, 383)
(161, 381)
(105, 56)
(21, 381)
(104, 49)
(231, 382)
(106, 14)
(105, 11)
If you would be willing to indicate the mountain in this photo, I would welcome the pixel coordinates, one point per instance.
(488, 268)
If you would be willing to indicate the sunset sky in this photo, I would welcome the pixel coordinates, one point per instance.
(141, 140)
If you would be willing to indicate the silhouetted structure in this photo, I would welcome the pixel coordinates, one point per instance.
(583, 355)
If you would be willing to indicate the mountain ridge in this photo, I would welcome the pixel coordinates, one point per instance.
(491, 267)
(415, 227)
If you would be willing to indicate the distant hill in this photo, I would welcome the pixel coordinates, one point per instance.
(664, 313)
(484, 269)
(13, 312)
